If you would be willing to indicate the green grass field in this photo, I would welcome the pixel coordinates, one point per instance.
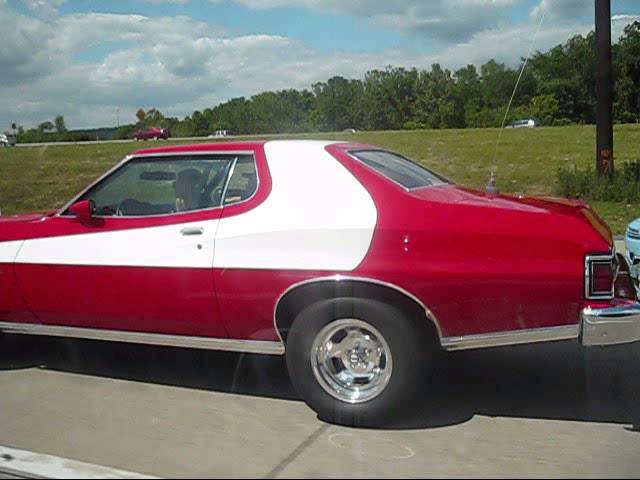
(38, 178)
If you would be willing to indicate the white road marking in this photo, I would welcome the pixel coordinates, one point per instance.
(22, 463)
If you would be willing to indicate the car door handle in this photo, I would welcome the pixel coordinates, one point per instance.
(187, 232)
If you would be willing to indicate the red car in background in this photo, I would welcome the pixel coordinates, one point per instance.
(152, 134)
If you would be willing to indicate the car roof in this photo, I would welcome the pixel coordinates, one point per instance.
(200, 147)
(241, 146)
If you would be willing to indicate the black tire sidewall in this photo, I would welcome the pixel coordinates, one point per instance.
(410, 352)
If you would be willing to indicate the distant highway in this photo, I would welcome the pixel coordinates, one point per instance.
(96, 142)
(186, 139)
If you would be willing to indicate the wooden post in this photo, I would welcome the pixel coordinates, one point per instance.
(604, 89)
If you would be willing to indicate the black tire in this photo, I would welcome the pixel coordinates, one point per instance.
(410, 345)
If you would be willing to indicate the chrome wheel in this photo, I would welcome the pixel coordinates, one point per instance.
(351, 360)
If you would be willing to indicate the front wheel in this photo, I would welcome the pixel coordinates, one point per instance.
(358, 362)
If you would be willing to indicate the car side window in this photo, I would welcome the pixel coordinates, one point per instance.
(243, 182)
(162, 185)
(399, 169)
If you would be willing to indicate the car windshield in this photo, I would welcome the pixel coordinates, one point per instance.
(399, 169)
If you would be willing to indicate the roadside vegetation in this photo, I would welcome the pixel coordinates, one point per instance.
(557, 88)
(526, 161)
(623, 186)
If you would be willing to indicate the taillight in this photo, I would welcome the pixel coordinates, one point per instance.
(600, 277)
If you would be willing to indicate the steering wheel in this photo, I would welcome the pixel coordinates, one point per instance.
(216, 196)
(126, 206)
(210, 192)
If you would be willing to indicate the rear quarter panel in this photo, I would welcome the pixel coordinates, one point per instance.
(481, 265)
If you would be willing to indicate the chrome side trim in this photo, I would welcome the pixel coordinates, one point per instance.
(229, 175)
(346, 278)
(194, 153)
(515, 337)
(202, 343)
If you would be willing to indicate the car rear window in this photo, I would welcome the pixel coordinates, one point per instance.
(399, 169)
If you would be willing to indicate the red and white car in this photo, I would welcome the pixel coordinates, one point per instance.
(354, 262)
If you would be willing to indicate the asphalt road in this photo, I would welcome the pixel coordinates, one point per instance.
(148, 142)
(546, 410)
(97, 142)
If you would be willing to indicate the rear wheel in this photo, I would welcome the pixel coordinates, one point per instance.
(358, 362)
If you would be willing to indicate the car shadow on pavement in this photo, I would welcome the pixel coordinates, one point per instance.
(557, 381)
(560, 380)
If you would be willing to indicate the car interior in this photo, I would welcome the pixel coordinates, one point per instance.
(163, 190)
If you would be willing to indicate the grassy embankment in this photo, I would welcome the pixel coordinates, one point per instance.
(38, 178)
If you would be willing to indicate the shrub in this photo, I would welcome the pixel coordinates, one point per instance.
(587, 184)
(545, 108)
(562, 122)
(412, 125)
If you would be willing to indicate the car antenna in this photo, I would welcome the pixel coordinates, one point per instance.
(513, 94)
(492, 186)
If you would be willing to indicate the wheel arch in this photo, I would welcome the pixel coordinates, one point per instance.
(301, 295)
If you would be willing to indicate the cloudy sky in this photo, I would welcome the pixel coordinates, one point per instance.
(89, 59)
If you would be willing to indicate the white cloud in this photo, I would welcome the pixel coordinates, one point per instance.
(508, 45)
(443, 19)
(44, 8)
(22, 56)
(564, 10)
(179, 64)
(176, 64)
(174, 2)
(619, 22)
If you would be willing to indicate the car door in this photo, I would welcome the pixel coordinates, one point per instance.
(143, 262)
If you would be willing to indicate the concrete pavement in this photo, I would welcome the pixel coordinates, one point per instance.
(545, 410)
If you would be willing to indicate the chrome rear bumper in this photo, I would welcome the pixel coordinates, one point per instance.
(611, 326)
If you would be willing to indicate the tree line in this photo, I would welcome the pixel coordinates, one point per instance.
(557, 88)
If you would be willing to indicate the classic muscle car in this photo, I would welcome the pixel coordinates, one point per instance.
(353, 261)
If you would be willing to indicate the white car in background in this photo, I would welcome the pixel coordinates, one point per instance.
(527, 123)
(220, 134)
(632, 242)
(7, 140)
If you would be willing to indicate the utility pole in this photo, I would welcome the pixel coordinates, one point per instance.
(604, 89)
